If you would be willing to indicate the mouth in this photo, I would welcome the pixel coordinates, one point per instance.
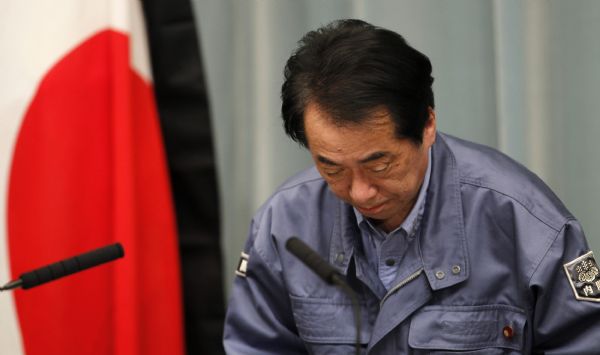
(371, 210)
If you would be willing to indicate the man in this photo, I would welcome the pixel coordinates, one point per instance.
(451, 246)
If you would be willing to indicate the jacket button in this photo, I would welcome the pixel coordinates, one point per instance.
(390, 262)
(507, 332)
(456, 269)
(440, 275)
(339, 258)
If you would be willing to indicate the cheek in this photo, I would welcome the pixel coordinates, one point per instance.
(392, 188)
(405, 179)
(399, 185)
(408, 188)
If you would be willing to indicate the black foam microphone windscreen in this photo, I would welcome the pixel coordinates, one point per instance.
(71, 265)
(311, 259)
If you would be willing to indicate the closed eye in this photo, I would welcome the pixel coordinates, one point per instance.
(379, 168)
(333, 172)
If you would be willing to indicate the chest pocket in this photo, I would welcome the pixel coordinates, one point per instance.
(490, 329)
(323, 323)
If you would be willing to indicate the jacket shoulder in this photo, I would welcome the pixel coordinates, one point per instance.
(485, 167)
(305, 187)
(302, 206)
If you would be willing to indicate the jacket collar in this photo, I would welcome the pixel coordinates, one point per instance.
(442, 241)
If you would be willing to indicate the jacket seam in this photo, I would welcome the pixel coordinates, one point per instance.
(543, 256)
(474, 308)
(285, 187)
(270, 268)
(262, 253)
(545, 222)
(459, 209)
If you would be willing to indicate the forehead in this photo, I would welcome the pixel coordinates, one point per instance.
(329, 138)
(319, 123)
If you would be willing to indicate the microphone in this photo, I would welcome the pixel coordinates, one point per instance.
(313, 260)
(66, 267)
(328, 273)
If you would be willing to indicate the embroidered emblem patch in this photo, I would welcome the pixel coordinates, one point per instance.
(584, 277)
(242, 265)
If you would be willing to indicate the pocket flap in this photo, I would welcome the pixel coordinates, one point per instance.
(467, 327)
(328, 321)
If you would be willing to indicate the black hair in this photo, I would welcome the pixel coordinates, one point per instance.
(351, 69)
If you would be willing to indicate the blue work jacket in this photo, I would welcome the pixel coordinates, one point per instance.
(485, 274)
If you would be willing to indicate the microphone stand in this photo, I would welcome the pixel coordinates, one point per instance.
(343, 285)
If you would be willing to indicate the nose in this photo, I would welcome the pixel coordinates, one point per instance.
(362, 191)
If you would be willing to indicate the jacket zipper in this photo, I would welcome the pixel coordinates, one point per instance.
(400, 285)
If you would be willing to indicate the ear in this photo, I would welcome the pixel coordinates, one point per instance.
(429, 130)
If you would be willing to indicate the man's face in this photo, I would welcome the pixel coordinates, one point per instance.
(367, 166)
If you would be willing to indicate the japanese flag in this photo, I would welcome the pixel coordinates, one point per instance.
(82, 166)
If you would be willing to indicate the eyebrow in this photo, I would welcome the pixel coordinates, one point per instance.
(372, 157)
(326, 161)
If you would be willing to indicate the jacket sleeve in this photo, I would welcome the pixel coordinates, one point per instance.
(562, 324)
(259, 317)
